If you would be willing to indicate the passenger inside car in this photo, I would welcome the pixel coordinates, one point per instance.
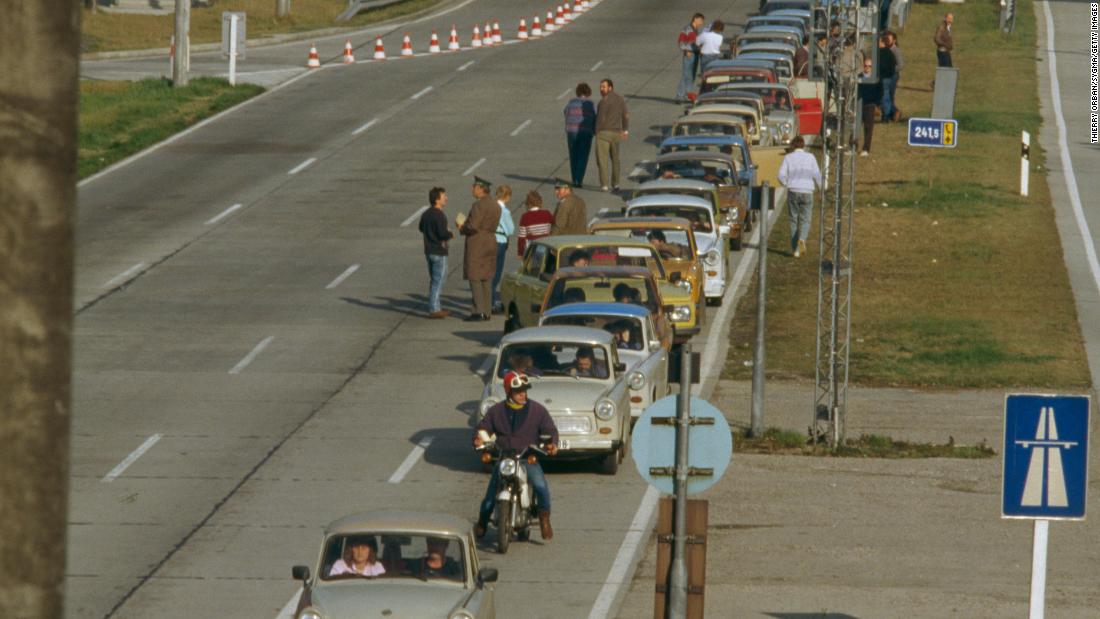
(574, 295)
(628, 334)
(579, 258)
(520, 360)
(667, 250)
(586, 366)
(360, 558)
(625, 293)
(436, 563)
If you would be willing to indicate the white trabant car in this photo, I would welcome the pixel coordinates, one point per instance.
(635, 339)
(710, 236)
(577, 375)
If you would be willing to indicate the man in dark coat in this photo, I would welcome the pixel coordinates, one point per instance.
(571, 214)
(480, 261)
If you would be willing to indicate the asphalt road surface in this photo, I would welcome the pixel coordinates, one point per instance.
(251, 357)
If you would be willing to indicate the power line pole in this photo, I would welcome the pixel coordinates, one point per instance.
(39, 53)
(182, 57)
(756, 429)
(282, 8)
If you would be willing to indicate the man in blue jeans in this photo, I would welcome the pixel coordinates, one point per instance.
(434, 228)
(800, 174)
(689, 53)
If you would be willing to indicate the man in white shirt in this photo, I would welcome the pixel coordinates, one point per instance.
(710, 44)
(800, 174)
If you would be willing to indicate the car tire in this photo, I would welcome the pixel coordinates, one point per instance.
(610, 464)
(736, 242)
(504, 525)
(714, 301)
(512, 323)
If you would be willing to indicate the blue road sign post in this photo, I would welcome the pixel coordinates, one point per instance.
(933, 132)
(1046, 449)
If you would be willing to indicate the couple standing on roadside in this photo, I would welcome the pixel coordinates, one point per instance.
(607, 123)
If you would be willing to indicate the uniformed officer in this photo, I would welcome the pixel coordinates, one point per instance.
(480, 261)
(571, 214)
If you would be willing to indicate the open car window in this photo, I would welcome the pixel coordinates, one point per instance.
(555, 359)
(398, 556)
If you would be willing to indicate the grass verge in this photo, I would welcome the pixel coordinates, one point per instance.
(958, 281)
(118, 119)
(786, 442)
(104, 32)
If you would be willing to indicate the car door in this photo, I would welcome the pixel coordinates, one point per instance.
(527, 280)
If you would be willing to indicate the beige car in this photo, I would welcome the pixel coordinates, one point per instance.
(751, 117)
(710, 124)
(425, 566)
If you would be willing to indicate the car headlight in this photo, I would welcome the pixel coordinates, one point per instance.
(309, 613)
(486, 404)
(685, 284)
(636, 380)
(605, 409)
(507, 467)
(733, 214)
(680, 313)
(713, 257)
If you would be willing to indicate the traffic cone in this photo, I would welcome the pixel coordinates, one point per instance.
(496, 33)
(452, 43)
(522, 36)
(536, 27)
(406, 46)
(559, 19)
(578, 6)
(550, 27)
(433, 46)
(476, 41)
(567, 12)
(379, 50)
(349, 53)
(314, 61)
(487, 35)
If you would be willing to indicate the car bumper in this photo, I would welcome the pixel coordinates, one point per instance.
(686, 333)
(583, 446)
(715, 286)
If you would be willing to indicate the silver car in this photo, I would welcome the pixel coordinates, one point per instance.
(424, 565)
(577, 375)
(635, 339)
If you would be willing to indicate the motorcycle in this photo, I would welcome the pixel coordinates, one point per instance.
(515, 510)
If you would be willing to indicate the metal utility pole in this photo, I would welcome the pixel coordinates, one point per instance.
(282, 8)
(756, 429)
(182, 58)
(678, 589)
(846, 42)
(39, 53)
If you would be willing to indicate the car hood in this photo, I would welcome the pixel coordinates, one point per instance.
(705, 242)
(633, 357)
(397, 600)
(780, 116)
(561, 394)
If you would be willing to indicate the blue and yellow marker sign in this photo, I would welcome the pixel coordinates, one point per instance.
(933, 132)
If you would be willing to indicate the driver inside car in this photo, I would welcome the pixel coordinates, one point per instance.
(436, 563)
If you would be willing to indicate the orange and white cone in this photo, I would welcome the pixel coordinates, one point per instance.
(487, 35)
(559, 19)
(476, 40)
(550, 27)
(314, 61)
(349, 53)
(496, 33)
(536, 27)
(406, 46)
(578, 6)
(379, 50)
(433, 46)
(522, 36)
(567, 12)
(452, 43)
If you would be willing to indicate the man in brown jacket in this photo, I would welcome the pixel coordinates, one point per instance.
(612, 124)
(944, 42)
(571, 214)
(480, 260)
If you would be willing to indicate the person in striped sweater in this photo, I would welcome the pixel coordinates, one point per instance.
(535, 223)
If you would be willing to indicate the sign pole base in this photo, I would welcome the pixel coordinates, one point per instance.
(1039, 569)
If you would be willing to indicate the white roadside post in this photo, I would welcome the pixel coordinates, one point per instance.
(233, 50)
(1039, 569)
(1025, 158)
(234, 31)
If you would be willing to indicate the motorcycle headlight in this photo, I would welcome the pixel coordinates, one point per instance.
(636, 380)
(507, 467)
(486, 404)
(713, 257)
(309, 613)
(605, 409)
(680, 313)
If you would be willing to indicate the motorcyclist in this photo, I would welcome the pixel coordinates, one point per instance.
(518, 422)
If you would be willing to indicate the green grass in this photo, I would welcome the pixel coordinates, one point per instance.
(118, 119)
(957, 280)
(786, 442)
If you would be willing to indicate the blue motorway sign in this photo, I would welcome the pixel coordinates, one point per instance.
(653, 444)
(934, 132)
(1046, 453)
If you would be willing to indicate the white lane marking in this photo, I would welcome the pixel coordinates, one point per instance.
(410, 460)
(288, 611)
(370, 123)
(130, 459)
(1063, 151)
(413, 217)
(619, 574)
(523, 125)
(562, 95)
(466, 66)
(251, 356)
(422, 93)
(123, 276)
(301, 166)
(222, 215)
(470, 170)
(341, 277)
(487, 365)
(596, 66)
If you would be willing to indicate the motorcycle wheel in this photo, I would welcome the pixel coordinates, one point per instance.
(504, 525)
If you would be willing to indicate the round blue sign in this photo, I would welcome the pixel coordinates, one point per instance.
(654, 444)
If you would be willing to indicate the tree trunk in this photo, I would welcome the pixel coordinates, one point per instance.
(39, 43)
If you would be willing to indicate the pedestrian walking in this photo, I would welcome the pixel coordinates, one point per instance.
(536, 223)
(505, 228)
(437, 235)
(802, 58)
(571, 213)
(580, 128)
(688, 53)
(944, 41)
(710, 44)
(612, 126)
(869, 93)
(480, 262)
(899, 63)
(887, 73)
(800, 174)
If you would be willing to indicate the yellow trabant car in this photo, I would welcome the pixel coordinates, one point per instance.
(674, 240)
(522, 292)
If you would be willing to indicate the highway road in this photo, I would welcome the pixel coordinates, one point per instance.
(251, 357)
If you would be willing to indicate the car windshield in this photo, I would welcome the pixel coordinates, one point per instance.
(555, 359)
(675, 243)
(607, 289)
(775, 99)
(716, 172)
(708, 128)
(700, 218)
(377, 555)
(627, 330)
(707, 195)
(612, 256)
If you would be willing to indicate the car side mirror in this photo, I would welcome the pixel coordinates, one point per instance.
(486, 575)
(536, 308)
(300, 572)
(674, 277)
(620, 367)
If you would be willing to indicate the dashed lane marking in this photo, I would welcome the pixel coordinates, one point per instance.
(422, 93)
(523, 125)
(414, 216)
(410, 460)
(301, 166)
(123, 276)
(222, 215)
(370, 123)
(341, 277)
(470, 170)
(130, 459)
(251, 356)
